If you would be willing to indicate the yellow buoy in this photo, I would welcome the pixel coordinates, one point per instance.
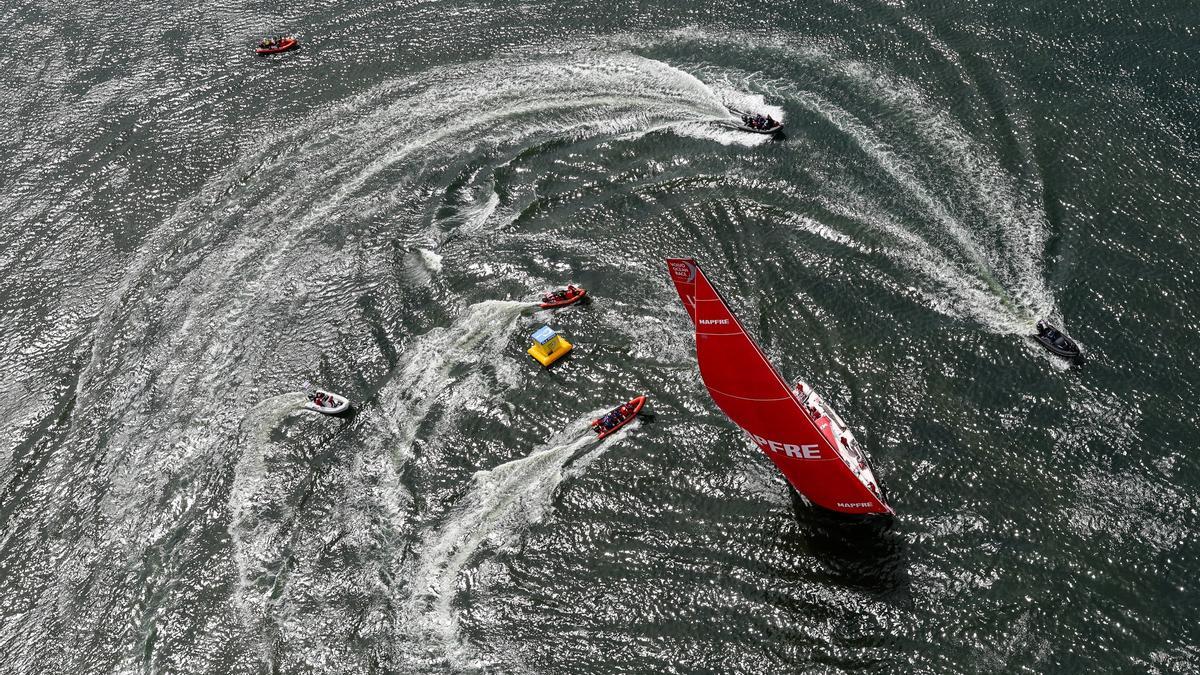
(548, 346)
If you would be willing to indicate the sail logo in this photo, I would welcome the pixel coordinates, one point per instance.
(808, 451)
(683, 270)
(710, 322)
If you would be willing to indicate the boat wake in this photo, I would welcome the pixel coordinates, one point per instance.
(981, 268)
(915, 187)
(493, 518)
(261, 505)
(448, 369)
(435, 157)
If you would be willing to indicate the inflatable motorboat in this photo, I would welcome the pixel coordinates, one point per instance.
(569, 296)
(1054, 340)
(618, 417)
(326, 403)
(277, 47)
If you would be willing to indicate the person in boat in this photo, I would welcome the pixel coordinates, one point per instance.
(770, 122)
(557, 296)
(610, 420)
(1051, 334)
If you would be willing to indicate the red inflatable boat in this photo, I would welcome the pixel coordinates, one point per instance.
(282, 45)
(618, 417)
(563, 298)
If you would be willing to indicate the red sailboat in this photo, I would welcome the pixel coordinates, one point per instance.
(792, 425)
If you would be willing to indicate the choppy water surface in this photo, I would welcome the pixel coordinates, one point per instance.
(191, 233)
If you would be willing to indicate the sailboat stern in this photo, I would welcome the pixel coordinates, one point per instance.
(818, 472)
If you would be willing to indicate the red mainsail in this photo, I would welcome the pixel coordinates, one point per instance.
(747, 388)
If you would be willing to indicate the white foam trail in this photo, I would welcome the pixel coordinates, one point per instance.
(433, 261)
(723, 132)
(952, 257)
(896, 167)
(990, 273)
(955, 261)
(475, 218)
(508, 102)
(495, 514)
(492, 108)
(1021, 226)
(420, 264)
(956, 290)
(258, 506)
(1005, 257)
(427, 376)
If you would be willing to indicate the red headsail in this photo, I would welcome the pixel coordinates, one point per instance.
(747, 388)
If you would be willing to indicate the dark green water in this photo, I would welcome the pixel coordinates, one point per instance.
(191, 233)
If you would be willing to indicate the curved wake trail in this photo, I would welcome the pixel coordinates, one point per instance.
(972, 233)
(448, 367)
(997, 285)
(423, 153)
(259, 508)
(494, 516)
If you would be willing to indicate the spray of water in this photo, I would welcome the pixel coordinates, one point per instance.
(259, 508)
(976, 243)
(434, 372)
(500, 506)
